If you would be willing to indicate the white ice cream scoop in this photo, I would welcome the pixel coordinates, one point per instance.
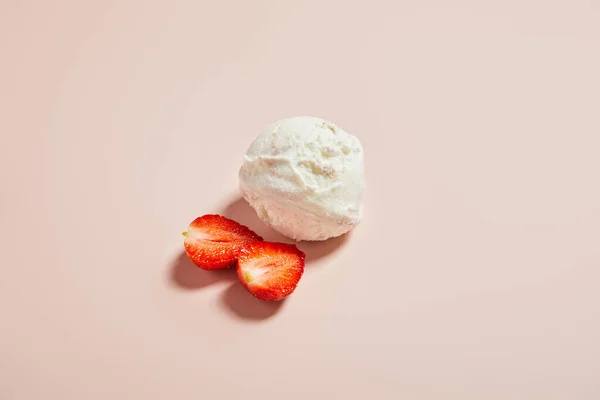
(304, 176)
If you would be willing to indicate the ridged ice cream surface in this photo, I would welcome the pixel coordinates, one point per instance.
(304, 176)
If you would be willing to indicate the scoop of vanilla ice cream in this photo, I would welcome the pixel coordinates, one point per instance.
(304, 176)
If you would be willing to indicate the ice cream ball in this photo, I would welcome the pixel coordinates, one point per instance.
(304, 177)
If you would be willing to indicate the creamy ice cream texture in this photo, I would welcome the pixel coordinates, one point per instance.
(304, 176)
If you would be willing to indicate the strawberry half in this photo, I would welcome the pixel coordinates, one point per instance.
(214, 242)
(270, 271)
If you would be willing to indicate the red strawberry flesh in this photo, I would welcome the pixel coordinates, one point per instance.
(214, 242)
(270, 271)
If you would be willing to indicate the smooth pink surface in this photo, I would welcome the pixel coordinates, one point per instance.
(476, 272)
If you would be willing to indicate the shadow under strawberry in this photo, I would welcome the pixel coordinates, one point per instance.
(236, 299)
(245, 306)
(185, 275)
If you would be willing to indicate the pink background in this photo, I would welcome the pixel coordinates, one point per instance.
(475, 274)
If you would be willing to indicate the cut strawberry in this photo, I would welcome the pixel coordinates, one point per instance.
(270, 271)
(214, 242)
